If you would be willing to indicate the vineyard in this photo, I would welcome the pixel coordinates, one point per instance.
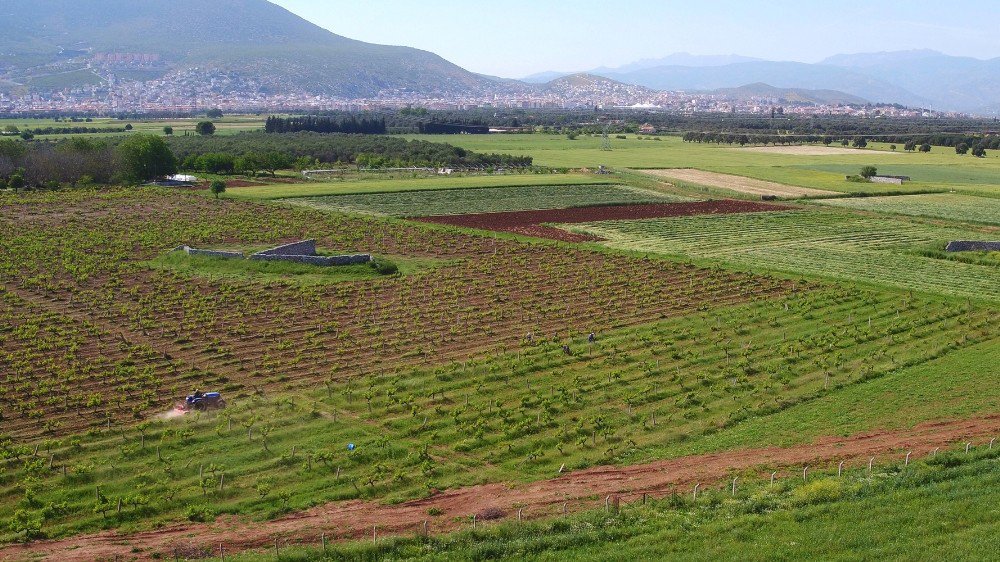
(847, 246)
(485, 200)
(633, 395)
(75, 284)
(953, 207)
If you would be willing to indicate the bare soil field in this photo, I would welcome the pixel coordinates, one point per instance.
(574, 491)
(737, 183)
(530, 223)
(807, 150)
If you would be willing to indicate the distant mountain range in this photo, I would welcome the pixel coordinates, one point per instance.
(59, 44)
(922, 78)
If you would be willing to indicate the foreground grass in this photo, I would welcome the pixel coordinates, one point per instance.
(944, 508)
(702, 382)
(424, 183)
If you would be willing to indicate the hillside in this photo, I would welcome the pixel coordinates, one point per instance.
(791, 95)
(62, 43)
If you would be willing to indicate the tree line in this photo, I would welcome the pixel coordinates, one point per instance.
(321, 124)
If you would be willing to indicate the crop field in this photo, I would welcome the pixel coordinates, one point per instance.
(950, 206)
(434, 183)
(939, 170)
(485, 200)
(226, 126)
(631, 396)
(82, 271)
(534, 223)
(881, 251)
(623, 362)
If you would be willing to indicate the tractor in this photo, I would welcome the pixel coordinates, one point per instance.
(203, 401)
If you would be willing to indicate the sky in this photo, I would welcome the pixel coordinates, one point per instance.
(515, 38)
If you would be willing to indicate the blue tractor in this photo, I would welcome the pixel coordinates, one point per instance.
(202, 401)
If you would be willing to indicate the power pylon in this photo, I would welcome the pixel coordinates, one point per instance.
(605, 140)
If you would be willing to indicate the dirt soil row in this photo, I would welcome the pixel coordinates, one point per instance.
(575, 491)
(531, 223)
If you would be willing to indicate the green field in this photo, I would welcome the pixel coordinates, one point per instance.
(229, 124)
(953, 207)
(840, 245)
(485, 200)
(389, 185)
(941, 169)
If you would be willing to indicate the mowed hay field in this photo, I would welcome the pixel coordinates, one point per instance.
(739, 184)
(485, 200)
(950, 206)
(941, 169)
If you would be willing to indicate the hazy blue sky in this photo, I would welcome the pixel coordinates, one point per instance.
(513, 38)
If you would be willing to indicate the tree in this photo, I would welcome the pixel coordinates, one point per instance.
(845, 142)
(961, 148)
(128, 127)
(217, 188)
(144, 157)
(214, 113)
(978, 151)
(205, 128)
(868, 172)
(892, 147)
(910, 145)
(16, 180)
(168, 130)
(925, 147)
(860, 142)
(27, 135)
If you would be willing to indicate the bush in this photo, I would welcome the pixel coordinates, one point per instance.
(384, 266)
(868, 171)
(199, 513)
(818, 491)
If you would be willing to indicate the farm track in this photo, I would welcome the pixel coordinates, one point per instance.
(578, 491)
(531, 223)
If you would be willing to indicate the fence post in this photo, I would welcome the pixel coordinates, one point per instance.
(222, 552)
(519, 514)
(734, 486)
(991, 443)
(934, 452)
(967, 447)
(804, 470)
(773, 474)
(322, 539)
(473, 520)
(871, 462)
(375, 534)
(840, 468)
(907, 461)
(565, 508)
(277, 553)
(694, 495)
(607, 504)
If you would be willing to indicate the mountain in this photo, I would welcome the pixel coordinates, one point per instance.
(778, 74)
(790, 95)
(675, 59)
(949, 82)
(64, 43)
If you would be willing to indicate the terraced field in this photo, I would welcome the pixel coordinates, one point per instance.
(882, 251)
(951, 206)
(485, 200)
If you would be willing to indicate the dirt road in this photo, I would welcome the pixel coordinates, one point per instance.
(584, 489)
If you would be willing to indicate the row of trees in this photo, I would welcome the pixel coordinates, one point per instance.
(133, 159)
(319, 124)
(250, 164)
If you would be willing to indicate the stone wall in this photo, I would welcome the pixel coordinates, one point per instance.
(886, 179)
(213, 253)
(972, 246)
(303, 248)
(349, 259)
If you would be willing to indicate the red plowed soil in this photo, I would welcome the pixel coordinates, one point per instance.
(575, 490)
(530, 222)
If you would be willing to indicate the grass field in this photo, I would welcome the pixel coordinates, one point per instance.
(226, 125)
(953, 207)
(941, 169)
(485, 200)
(390, 185)
(846, 246)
